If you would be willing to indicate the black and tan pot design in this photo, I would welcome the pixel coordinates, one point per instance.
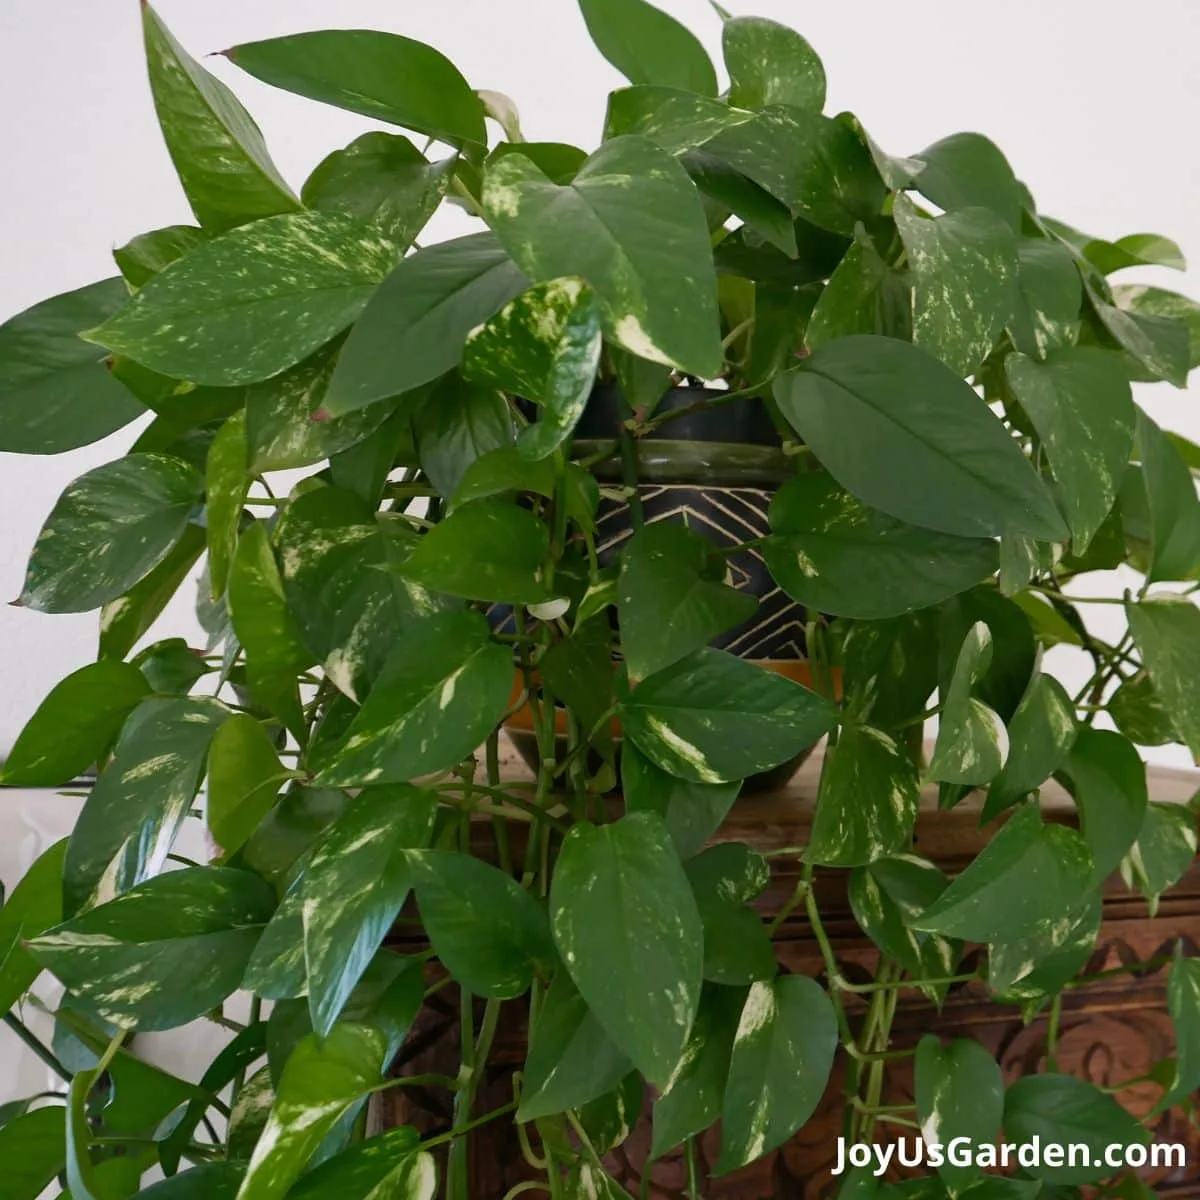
(714, 470)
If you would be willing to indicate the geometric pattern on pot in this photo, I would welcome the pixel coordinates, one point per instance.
(726, 516)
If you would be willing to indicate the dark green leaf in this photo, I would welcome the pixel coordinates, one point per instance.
(1158, 302)
(131, 817)
(970, 747)
(885, 897)
(1174, 506)
(1108, 778)
(658, 299)
(380, 75)
(713, 718)
(458, 424)
(1165, 849)
(1030, 969)
(484, 551)
(695, 1093)
(610, 1119)
(864, 295)
(737, 946)
(905, 435)
(835, 555)
(56, 390)
(275, 970)
(1138, 712)
(30, 908)
(960, 1094)
(503, 472)
(867, 803)
(108, 530)
(385, 1167)
(33, 1151)
(165, 952)
(382, 178)
(571, 1059)
(227, 482)
(1040, 736)
(648, 46)
(545, 346)
(1159, 345)
(691, 812)
(1167, 633)
(253, 302)
(1183, 999)
(244, 777)
(966, 170)
(964, 269)
(1132, 250)
(744, 198)
(286, 422)
(672, 598)
(414, 329)
(1082, 408)
(626, 924)
(1017, 886)
(437, 698)
(782, 1055)
(124, 620)
(142, 258)
(217, 148)
(212, 1181)
(1049, 297)
(1063, 1110)
(771, 64)
(74, 725)
(323, 1079)
(888, 671)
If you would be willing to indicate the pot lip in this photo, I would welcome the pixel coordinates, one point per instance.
(798, 670)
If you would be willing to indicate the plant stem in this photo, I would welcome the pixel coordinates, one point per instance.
(459, 1130)
(35, 1046)
(1052, 1032)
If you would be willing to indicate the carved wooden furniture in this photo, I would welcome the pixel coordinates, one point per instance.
(1111, 1030)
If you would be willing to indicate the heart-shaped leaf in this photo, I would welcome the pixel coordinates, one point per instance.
(648, 46)
(1108, 778)
(1165, 849)
(244, 778)
(1167, 633)
(771, 64)
(966, 170)
(1046, 316)
(626, 925)
(972, 743)
(903, 433)
(737, 946)
(388, 1165)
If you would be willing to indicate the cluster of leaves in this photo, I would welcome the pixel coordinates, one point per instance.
(950, 372)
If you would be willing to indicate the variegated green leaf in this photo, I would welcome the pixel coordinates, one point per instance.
(380, 75)
(972, 742)
(1017, 886)
(218, 150)
(544, 346)
(782, 1055)
(353, 887)
(626, 924)
(836, 555)
(672, 597)
(386, 1167)
(349, 611)
(1046, 315)
(725, 878)
(74, 725)
(489, 933)
(867, 802)
(286, 422)
(56, 393)
(1029, 969)
(1172, 503)
(1159, 302)
(771, 64)
(130, 818)
(439, 695)
(275, 969)
(1183, 998)
(251, 303)
(964, 269)
(657, 296)
(108, 530)
(244, 778)
(323, 1079)
(712, 718)
(1082, 408)
(1165, 849)
(1159, 345)
(415, 326)
(382, 178)
(1041, 734)
(265, 629)
(227, 483)
(571, 1060)
(1167, 632)
(865, 295)
(144, 256)
(165, 952)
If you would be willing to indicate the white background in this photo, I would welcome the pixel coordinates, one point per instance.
(1094, 101)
